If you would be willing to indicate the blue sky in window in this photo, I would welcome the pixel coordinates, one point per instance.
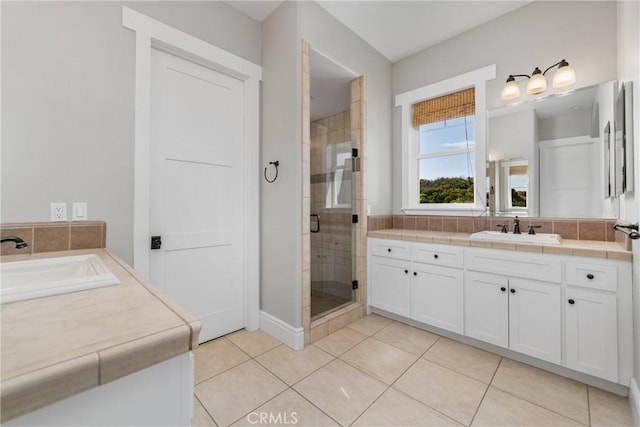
(447, 135)
(458, 165)
(444, 136)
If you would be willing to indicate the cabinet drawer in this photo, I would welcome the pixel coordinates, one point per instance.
(444, 255)
(516, 264)
(593, 276)
(391, 249)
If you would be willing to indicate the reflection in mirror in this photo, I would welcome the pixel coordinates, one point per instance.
(509, 180)
(623, 137)
(561, 140)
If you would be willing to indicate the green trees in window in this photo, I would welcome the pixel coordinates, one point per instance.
(446, 190)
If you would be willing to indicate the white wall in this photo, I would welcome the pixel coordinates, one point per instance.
(68, 102)
(281, 237)
(281, 201)
(328, 36)
(538, 34)
(629, 70)
(566, 125)
(511, 136)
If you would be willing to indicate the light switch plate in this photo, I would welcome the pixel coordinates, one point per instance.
(79, 211)
(58, 211)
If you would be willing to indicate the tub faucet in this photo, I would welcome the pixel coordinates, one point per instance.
(20, 244)
(516, 225)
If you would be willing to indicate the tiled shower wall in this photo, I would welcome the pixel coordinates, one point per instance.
(331, 248)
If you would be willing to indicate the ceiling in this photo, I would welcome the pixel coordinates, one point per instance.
(398, 29)
(330, 87)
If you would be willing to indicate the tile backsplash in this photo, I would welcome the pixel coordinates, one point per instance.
(577, 229)
(58, 236)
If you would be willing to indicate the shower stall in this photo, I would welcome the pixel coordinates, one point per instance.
(331, 214)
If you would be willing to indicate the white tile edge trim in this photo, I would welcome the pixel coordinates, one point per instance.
(634, 401)
(291, 336)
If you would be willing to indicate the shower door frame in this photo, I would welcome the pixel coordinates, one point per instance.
(319, 328)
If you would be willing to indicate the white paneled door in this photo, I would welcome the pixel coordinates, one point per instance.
(197, 188)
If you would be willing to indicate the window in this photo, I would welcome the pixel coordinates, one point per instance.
(339, 168)
(443, 145)
(517, 180)
(446, 161)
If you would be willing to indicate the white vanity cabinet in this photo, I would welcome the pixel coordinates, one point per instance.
(390, 285)
(389, 276)
(568, 310)
(591, 318)
(437, 286)
(521, 314)
(416, 280)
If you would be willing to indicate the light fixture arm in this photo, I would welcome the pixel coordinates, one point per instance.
(560, 63)
(512, 77)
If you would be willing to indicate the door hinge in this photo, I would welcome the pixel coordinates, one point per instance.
(354, 219)
(354, 284)
(355, 160)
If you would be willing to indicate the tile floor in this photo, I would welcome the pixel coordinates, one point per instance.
(378, 372)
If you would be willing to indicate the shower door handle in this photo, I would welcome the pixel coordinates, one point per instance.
(315, 229)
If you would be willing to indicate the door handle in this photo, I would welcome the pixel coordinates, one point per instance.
(156, 242)
(315, 229)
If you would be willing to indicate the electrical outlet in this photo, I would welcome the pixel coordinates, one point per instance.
(79, 211)
(58, 211)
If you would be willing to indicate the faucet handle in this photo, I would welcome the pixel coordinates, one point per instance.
(532, 228)
(503, 229)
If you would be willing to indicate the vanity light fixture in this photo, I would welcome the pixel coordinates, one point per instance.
(564, 76)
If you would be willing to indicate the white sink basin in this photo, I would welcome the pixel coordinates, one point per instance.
(23, 280)
(540, 238)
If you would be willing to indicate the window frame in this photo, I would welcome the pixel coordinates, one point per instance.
(411, 138)
(506, 177)
(332, 190)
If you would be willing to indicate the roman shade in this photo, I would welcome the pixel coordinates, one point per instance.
(447, 107)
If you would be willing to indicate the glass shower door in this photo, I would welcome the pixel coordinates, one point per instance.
(331, 220)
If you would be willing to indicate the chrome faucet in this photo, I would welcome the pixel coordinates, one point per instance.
(20, 244)
(516, 225)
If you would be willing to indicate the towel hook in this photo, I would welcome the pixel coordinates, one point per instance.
(276, 164)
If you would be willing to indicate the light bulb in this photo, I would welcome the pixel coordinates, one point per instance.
(565, 76)
(511, 90)
(537, 83)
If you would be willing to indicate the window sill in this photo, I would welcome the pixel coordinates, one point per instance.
(446, 211)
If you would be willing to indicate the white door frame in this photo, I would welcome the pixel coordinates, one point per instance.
(151, 33)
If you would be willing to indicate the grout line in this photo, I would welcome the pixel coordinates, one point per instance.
(259, 406)
(228, 369)
(538, 404)
(485, 392)
(389, 386)
(205, 409)
(314, 405)
(588, 406)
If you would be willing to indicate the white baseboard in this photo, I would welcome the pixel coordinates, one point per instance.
(291, 336)
(634, 401)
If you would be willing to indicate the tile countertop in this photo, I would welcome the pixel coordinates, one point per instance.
(586, 248)
(58, 346)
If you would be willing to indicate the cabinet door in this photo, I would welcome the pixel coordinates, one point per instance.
(437, 296)
(591, 333)
(486, 314)
(535, 320)
(390, 285)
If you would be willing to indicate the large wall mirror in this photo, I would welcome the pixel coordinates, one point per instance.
(562, 155)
